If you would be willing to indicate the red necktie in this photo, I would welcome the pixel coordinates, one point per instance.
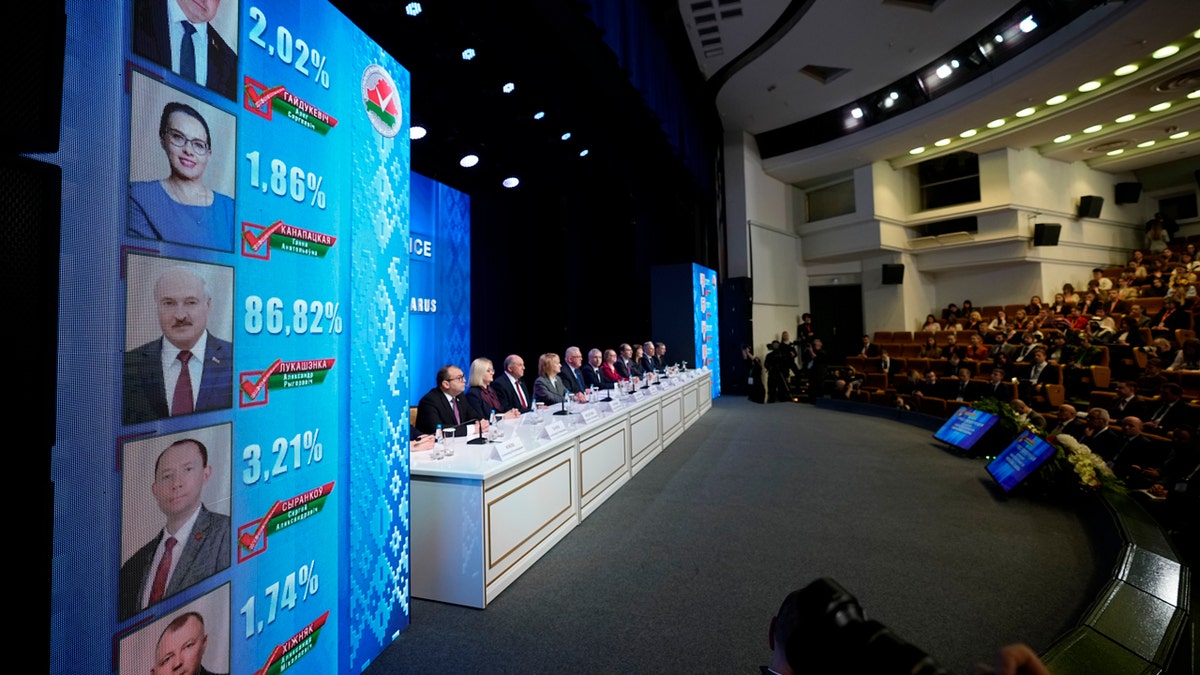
(520, 394)
(181, 403)
(454, 406)
(160, 575)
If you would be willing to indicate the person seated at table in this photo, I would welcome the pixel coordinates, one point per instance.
(445, 406)
(608, 369)
(481, 396)
(636, 369)
(549, 387)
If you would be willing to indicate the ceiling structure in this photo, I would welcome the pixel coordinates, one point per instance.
(773, 63)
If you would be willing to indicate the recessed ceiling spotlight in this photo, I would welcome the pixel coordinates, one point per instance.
(468, 54)
(1178, 135)
(1126, 70)
(942, 143)
(953, 63)
(468, 161)
(968, 133)
(566, 136)
(1089, 86)
(1164, 52)
(999, 38)
(1126, 118)
(856, 113)
(1055, 100)
(508, 87)
(538, 115)
(1114, 153)
(1027, 24)
(1159, 107)
(1025, 112)
(416, 133)
(917, 151)
(1063, 139)
(412, 8)
(996, 124)
(1145, 144)
(583, 152)
(943, 71)
(888, 102)
(894, 96)
(1093, 129)
(1194, 94)
(511, 182)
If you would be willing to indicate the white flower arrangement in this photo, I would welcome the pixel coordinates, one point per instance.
(1089, 466)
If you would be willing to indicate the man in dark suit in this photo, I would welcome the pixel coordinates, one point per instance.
(1098, 437)
(591, 371)
(1170, 412)
(167, 377)
(1126, 403)
(660, 356)
(180, 648)
(511, 388)
(964, 389)
(177, 34)
(1066, 424)
(1040, 374)
(572, 372)
(996, 387)
(192, 546)
(624, 364)
(869, 349)
(648, 363)
(446, 406)
(1134, 450)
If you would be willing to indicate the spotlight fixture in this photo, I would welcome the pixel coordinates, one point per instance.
(511, 182)
(942, 143)
(1145, 144)
(996, 124)
(416, 133)
(856, 113)
(1193, 94)
(583, 152)
(468, 54)
(412, 8)
(1164, 52)
(968, 133)
(917, 150)
(1114, 153)
(1159, 107)
(468, 161)
(1093, 129)
(1025, 112)
(1055, 100)
(1126, 70)
(538, 115)
(1089, 86)
(943, 71)
(1126, 118)
(508, 87)
(1178, 135)
(1063, 139)
(1027, 24)
(566, 136)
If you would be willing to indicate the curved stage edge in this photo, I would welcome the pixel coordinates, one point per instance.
(1138, 623)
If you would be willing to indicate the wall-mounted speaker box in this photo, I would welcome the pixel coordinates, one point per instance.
(1128, 193)
(1046, 234)
(893, 274)
(1089, 206)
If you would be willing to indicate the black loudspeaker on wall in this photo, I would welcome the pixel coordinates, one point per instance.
(893, 274)
(1046, 234)
(1089, 206)
(1128, 193)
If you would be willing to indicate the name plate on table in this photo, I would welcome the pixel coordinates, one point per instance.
(638, 396)
(507, 449)
(554, 429)
(615, 405)
(589, 415)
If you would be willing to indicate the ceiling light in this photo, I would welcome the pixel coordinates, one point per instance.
(1126, 118)
(943, 71)
(942, 143)
(583, 152)
(1027, 24)
(1159, 107)
(1025, 112)
(894, 96)
(1114, 153)
(888, 103)
(416, 133)
(1179, 135)
(999, 38)
(953, 63)
(1089, 86)
(1145, 144)
(566, 136)
(1063, 139)
(412, 8)
(511, 182)
(917, 151)
(1093, 129)
(508, 87)
(538, 115)
(1164, 52)
(1126, 70)
(968, 133)
(468, 161)
(856, 113)
(1055, 100)
(995, 124)
(1194, 94)
(468, 54)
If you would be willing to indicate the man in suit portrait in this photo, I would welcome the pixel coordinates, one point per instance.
(511, 388)
(180, 649)
(193, 545)
(446, 406)
(178, 34)
(188, 369)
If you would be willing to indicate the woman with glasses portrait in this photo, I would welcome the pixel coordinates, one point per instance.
(181, 208)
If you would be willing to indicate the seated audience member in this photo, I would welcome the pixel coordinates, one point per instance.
(1175, 467)
(549, 387)
(886, 364)
(951, 314)
(976, 350)
(965, 310)
(1168, 412)
(1027, 415)
(1040, 374)
(953, 365)
(996, 387)
(1138, 312)
(931, 324)
(1002, 345)
(511, 387)
(608, 370)
(1162, 349)
(868, 349)
(1130, 334)
(1000, 323)
(445, 406)
(1126, 403)
(1103, 282)
(930, 350)
(1079, 366)
(930, 386)
(1021, 320)
(1035, 306)
(1069, 295)
(1059, 306)
(1089, 304)
(952, 347)
(591, 371)
(1188, 357)
(1171, 317)
(1151, 380)
(964, 389)
(1024, 353)
(1098, 437)
(481, 395)
(1157, 288)
(1133, 452)
(975, 323)
(1058, 351)
(1120, 297)
(1066, 423)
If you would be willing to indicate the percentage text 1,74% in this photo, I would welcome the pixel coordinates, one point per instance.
(297, 586)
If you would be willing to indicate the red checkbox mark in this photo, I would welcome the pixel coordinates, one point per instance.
(253, 388)
(257, 100)
(256, 240)
(250, 541)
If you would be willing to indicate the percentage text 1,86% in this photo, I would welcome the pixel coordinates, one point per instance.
(308, 442)
(294, 182)
(284, 597)
(313, 317)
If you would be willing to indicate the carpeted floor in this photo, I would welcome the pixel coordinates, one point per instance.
(683, 568)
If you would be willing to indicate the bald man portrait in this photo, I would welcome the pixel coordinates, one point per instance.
(186, 370)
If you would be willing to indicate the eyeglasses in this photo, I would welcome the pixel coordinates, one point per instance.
(178, 140)
(456, 379)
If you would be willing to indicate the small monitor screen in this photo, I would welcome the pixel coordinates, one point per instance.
(1021, 458)
(965, 427)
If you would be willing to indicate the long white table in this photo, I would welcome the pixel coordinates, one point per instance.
(479, 522)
